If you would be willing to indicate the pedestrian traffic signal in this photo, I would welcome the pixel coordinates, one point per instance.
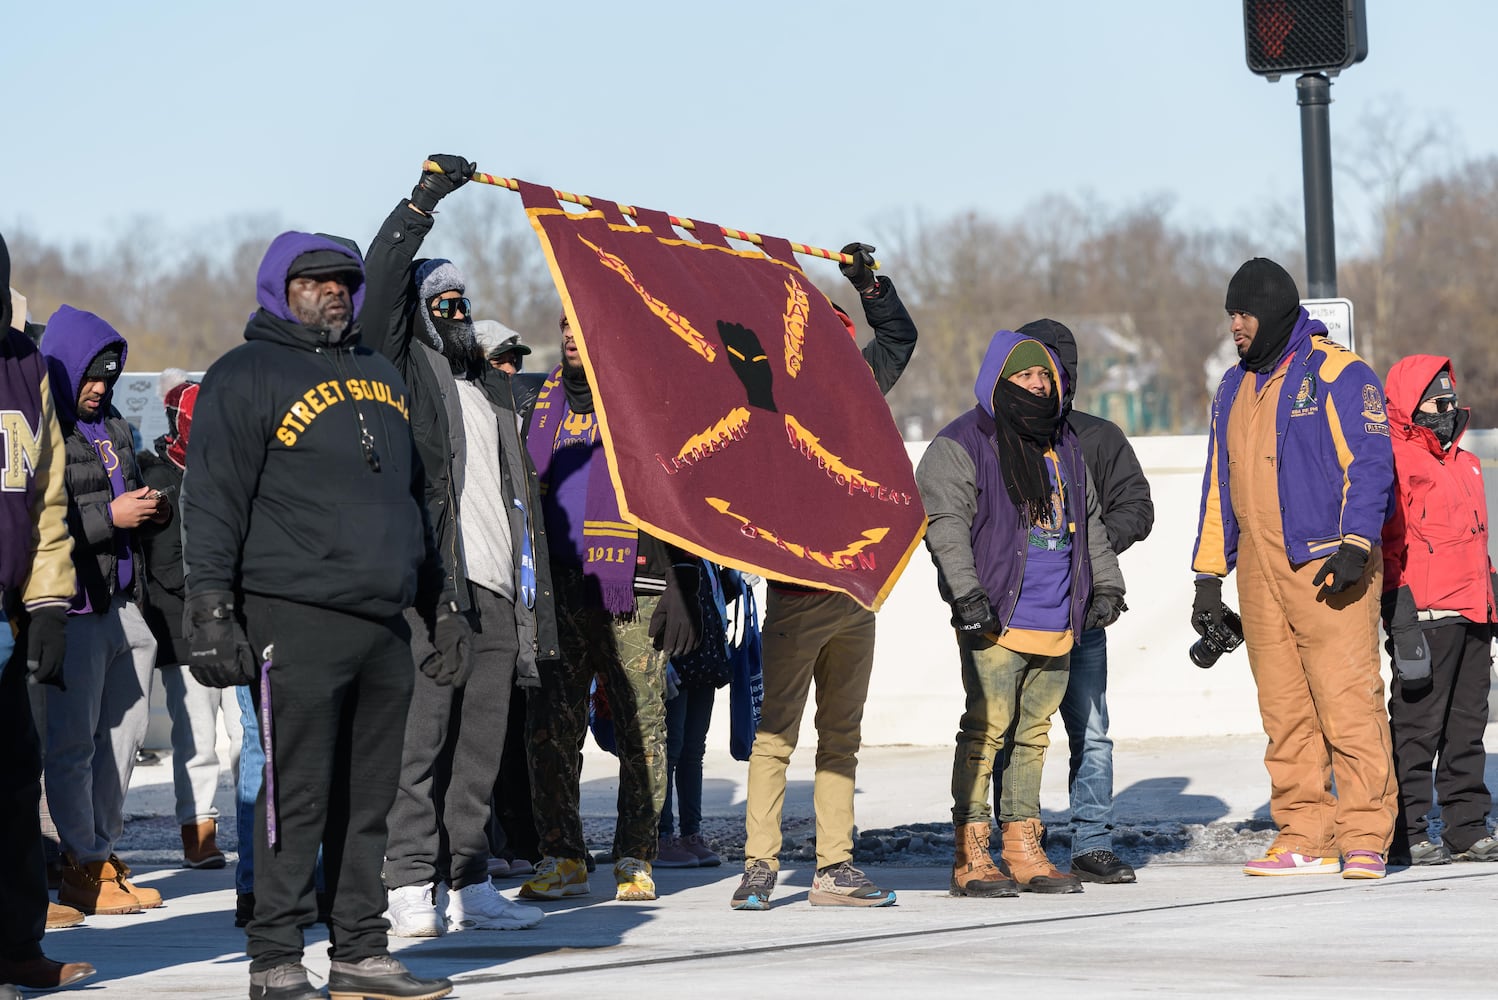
(1304, 36)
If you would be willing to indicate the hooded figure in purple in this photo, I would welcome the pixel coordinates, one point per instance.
(1016, 535)
(96, 724)
(305, 540)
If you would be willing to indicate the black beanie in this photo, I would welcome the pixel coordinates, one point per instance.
(106, 364)
(5, 309)
(1266, 292)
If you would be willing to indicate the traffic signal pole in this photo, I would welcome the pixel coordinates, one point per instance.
(1313, 92)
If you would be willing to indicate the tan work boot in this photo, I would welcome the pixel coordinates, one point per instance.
(149, 898)
(59, 916)
(200, 845)
(1026, 860)
(94, 887)
(973, 870)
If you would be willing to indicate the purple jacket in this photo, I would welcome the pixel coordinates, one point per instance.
(997, 534)
(33, 501)
(1335, 459)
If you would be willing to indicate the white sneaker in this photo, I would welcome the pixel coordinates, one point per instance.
(482, 907)
(412, 911)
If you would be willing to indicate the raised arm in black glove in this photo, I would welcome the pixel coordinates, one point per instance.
(1104, 609)
(1406, 639)
(676, 622)
(433, 187)
(452, 637)
(860, 273)
(46, 640)
(973, 615)
(1342, 570)
(1207, 609)
(218, 653)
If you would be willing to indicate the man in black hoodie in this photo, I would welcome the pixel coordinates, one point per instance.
(1128, 514)
(483, 498)
(305, 541)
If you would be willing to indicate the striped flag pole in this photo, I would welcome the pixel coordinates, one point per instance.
(687, 224)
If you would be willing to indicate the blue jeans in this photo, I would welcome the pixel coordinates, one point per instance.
(7, 641)
(1084, 713)
(688, 716)
(251, 777)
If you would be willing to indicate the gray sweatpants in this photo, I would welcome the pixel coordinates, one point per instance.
(96, 725)
(195, 766)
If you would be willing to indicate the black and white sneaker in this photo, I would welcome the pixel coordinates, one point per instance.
(1101, 866)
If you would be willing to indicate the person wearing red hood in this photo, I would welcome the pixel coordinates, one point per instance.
(193, 707)
(1439, 611)
(98, 721)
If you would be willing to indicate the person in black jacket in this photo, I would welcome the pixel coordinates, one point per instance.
(1128, 514)
(483, 498)
(306, 539)
(193, 708)
(827, 637)
(96, 724)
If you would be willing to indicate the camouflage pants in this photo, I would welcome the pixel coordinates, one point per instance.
(595, 642)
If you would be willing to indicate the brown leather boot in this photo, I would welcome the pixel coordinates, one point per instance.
(973, 870)
(94, 887)
(149, 898)
(1026, 860)
(59, 916)
(200, 845)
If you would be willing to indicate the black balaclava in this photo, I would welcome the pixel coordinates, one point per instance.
(1443, 425)
(1266, 292)
(5, 308)
(1059, 339)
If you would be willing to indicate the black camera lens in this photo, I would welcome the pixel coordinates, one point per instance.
(1204, 654)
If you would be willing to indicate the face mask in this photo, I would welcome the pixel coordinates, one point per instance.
(1442, 424)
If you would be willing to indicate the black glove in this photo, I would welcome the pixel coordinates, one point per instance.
(218, 654)
(1207, 610)
(973, 615)
(46, 639)
(1407, 643)
(861, 272)
(433, 187)
(1104, 610)
(452, 636)
(676, 622)
(1343, 569)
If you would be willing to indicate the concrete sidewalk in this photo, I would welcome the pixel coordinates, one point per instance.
(1190, 811)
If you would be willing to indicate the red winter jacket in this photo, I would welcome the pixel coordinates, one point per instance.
(1436, 541)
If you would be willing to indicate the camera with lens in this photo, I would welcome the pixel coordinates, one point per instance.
(1216, 640)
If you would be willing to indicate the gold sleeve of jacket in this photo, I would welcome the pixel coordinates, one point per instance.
(52, 579)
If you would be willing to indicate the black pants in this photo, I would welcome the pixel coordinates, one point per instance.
(340, 688)
(453, 743)
(23, 889)
(1439, 728)
(512, 825)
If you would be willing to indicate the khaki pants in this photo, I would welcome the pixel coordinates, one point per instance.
(827, 639)
(1315, 661)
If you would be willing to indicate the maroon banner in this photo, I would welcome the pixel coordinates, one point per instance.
(740, 419)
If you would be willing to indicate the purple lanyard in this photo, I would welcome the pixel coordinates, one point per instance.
(272, 828)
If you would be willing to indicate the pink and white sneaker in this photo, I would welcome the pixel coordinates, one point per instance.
(1363, 864)
(1279, 861)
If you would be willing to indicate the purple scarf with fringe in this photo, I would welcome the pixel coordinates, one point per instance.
(577, 497)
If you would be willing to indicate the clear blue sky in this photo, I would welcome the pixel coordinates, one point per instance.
(814, 120)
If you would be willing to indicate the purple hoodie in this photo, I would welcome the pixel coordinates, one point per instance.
(270, 281)
(72, 341)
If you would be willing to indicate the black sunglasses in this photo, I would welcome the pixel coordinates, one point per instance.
(446, 307)
(1444, 405)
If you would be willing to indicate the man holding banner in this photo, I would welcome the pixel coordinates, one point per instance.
(826, 637)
